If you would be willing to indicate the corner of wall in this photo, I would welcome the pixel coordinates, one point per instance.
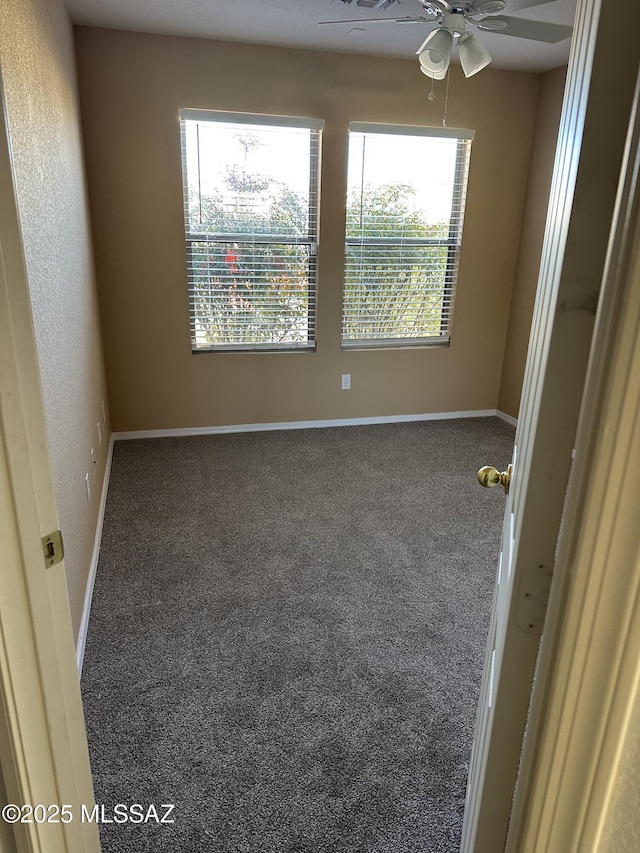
(550, 98)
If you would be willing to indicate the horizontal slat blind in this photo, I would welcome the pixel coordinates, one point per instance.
(405, 210)
(251, 222)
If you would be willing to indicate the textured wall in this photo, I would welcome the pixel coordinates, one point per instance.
(533, 225)
(131, 87)
(622, 824)
(37, 62)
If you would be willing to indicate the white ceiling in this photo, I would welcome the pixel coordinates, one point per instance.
(294, 23)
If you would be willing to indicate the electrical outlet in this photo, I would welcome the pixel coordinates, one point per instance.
(88, 485)
(99, 434)
(346, 381)
(94, 461)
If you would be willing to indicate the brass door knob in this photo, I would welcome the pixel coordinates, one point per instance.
(490, 477)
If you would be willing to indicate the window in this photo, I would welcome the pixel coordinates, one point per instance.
(405, 205)
(251, 222)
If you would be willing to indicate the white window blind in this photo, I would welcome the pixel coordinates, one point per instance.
(405, 207)
(251, 222)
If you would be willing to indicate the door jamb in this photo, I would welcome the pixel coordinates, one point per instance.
(589, 667)
(582, 206)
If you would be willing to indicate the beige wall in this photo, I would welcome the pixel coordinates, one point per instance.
(131, 87)
(530, 251)
(37, 63)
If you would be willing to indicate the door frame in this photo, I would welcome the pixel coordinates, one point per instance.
(43, 747)
(596, 110)
(588, 677)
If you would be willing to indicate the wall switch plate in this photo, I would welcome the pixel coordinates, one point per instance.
(346, 381)
(88, 485)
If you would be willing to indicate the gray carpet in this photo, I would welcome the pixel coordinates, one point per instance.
(287, 635)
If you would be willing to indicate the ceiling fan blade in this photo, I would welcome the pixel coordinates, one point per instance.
(534, 30)
(420, 20)
(519, 5)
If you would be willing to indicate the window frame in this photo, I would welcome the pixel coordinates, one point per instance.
(311, 239)
(464, 139)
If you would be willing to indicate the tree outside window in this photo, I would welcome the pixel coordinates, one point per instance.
(251, 230)
(405, 207)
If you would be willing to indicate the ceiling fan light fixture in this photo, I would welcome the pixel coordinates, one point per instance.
(455, 22)
(474, 56)
(434, 75)
(435, 53)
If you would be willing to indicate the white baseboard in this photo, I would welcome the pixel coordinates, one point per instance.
(384, 419)
(508, 418)
(86, 610)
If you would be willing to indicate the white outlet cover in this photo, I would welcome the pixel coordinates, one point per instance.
(346, 381)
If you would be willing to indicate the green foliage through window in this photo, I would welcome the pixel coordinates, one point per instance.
(251, 231)
(251, 218)
(403, 231)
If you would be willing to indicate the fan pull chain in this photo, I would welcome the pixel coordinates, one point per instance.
(432, 95)
(446, 100)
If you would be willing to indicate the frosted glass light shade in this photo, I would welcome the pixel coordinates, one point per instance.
(474, 56)
(435, 54)
(433, 75)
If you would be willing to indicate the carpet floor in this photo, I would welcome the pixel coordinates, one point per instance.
(287, 635)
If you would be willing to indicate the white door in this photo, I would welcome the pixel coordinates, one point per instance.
(595, 117)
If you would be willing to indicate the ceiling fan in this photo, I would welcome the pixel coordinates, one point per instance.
(453, 17)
